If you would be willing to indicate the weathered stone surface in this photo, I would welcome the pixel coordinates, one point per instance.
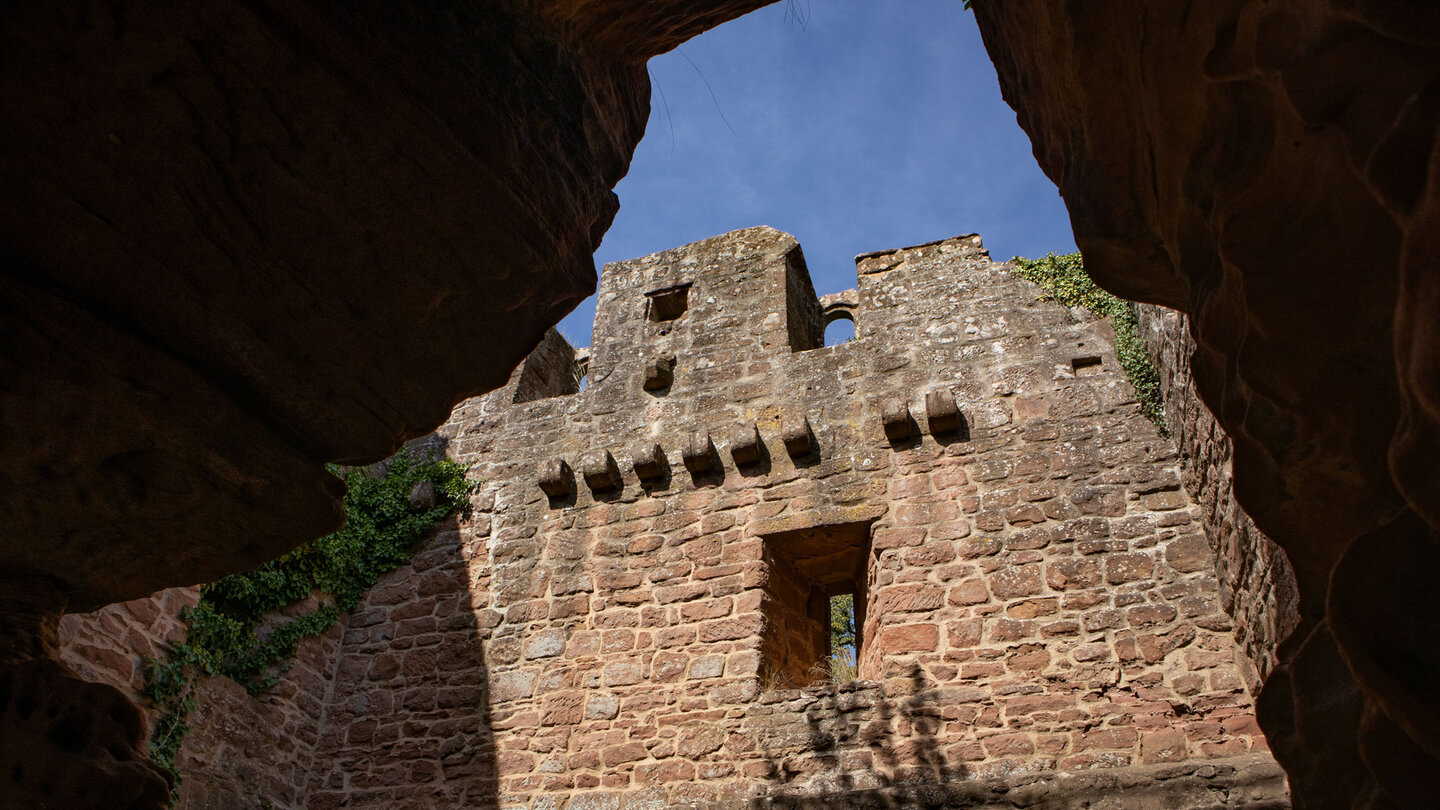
(648, 459)
(746, 446)
(600, 470)
(240, 242)
(1257, 140)
(556, 478)
(895, 416)
(68, 743)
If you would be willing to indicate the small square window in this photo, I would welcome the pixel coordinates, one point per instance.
(1087, 366)
(668, 304)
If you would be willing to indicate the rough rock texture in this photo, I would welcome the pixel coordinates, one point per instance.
(111, 645)
(1257, 586)
(1271, 169)
(240, 240)
(1036, 598)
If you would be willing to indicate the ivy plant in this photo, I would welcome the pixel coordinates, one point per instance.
(1064, 279)
(382, 531)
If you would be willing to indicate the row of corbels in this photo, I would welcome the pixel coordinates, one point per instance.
(940, 411)
(697, 452)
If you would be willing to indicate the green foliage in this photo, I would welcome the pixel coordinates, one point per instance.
(1065, 280)
(843, 666)
(842, 621)
(381, 533)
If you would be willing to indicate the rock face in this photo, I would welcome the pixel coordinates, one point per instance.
(1271, 169)
(640, 625)
(240, 241)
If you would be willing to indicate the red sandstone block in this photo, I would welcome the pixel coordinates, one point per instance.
(1095, 760)
(1163, 745)
(887, 538)
(1150, 615)
(1028, 658)
(1224, 748)
(655, 773)
(1107, 738)
(675, 636)
(620, 754)
(1028, 704)
(709, 609)
(909, 638)
(1032, 608)
(1008, 745)
(730, 629)
(1010, 630)
(908, 598)
(970, 592)
(1120, 568)
(668, 666)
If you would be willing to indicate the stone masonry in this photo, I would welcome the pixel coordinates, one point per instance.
(633, 612)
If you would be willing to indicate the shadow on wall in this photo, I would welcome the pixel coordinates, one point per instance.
(863, 749)
(408, 722)
(387, 708)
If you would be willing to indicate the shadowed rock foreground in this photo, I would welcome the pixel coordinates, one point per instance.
(244, 240)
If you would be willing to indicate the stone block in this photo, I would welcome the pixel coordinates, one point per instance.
(556, 478)
(601, 472)
(895, 417)
(698, 452)
(799, 439)
(942, 413)
(745, 446)
(649, 462)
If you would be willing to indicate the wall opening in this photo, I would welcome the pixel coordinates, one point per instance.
(811, 572)
(839, 327)
(1086, 366)
(667, 304)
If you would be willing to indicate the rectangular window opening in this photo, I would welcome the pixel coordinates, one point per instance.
(1086, 366)
(814, 605)
(669, 303)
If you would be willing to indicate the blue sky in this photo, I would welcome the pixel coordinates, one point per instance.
(855, 125)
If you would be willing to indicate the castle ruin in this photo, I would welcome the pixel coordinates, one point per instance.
(635, 610)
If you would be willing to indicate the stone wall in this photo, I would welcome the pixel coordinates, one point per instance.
(1036, 593)
(1257, 584)
(633, 610)
(257, 752)
(111, 645)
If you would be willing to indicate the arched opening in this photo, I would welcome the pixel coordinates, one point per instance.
(839, 327)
